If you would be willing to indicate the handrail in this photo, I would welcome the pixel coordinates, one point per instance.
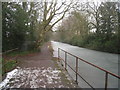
(93, 65)
(10, 50)
(77, 74)
(78, 58)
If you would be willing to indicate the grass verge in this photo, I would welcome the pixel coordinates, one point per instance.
(19, 53)
(9, 60)
(8, 66)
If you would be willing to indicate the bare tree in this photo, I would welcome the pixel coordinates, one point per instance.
(94, 14)
(51, 13)
(91, 9)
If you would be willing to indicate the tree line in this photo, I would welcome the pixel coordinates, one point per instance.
(93, 26)
(27, 25)
(17, 24)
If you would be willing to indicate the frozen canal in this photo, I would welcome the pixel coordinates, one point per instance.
(94, 76)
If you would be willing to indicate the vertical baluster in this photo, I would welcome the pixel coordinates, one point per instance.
(58, 54)
(106, 80)
(65, 60)
(76, 69)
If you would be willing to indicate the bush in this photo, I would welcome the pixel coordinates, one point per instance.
(96, 42)
(9, 65)
(111, 46)
(95, 45)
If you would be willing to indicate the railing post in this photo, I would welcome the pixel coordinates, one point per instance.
(106, 80)
(76, 69)
(58, 54)
(66, 61)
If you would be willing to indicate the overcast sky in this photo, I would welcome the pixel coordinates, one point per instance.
(95, 1)
(59, 2)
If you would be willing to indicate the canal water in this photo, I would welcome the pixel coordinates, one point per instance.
(94, 76)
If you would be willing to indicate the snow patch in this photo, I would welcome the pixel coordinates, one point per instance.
(9, 76)
(32, 78)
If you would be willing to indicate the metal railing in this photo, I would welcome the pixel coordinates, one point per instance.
(76, 71)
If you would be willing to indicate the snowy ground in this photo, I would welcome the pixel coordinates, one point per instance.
(33, 78)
